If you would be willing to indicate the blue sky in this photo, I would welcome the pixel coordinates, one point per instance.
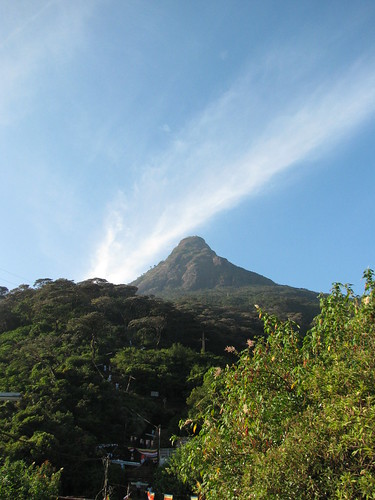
(126, 126)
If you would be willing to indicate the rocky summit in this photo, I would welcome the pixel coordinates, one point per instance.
(193, 266)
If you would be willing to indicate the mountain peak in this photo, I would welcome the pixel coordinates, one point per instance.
(193, 242)
(193, 265)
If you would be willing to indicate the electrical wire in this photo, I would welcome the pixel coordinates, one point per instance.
(14, 274)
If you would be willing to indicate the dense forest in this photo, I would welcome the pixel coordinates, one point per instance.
(86, 358)
(256, 406)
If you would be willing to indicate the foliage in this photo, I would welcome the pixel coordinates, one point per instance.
(226, 312)
(70, 350)
(294, 417)
(28, 482)
(171, 372)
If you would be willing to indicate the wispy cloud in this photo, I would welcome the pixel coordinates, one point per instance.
(40, 35)
(38, 41)
(229, 152)
(18, 29)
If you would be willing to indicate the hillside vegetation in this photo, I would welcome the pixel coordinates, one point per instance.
(267, 408)
(293, 417)
(86, 357)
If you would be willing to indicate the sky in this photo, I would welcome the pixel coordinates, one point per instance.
(126, 126)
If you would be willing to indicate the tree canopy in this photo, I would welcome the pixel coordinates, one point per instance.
(291, 416)
(71, 350)
(294, 417)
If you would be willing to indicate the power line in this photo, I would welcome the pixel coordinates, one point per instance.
(15, 275)
(7, 281)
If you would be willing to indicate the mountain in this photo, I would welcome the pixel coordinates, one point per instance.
(194, 266)
(223, 295)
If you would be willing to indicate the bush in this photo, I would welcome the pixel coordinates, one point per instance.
(21, 482)
(293, 417)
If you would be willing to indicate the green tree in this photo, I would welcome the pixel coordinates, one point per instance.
(293, 417)
(28, 482)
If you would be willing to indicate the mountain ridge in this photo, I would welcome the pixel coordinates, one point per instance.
(193, 265)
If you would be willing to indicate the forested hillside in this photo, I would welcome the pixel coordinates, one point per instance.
(230, 313)
(102, 371)
(86, 357)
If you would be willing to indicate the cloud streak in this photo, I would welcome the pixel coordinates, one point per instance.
(253, 132)
(37, 40)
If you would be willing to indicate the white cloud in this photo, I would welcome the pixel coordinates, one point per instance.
(227, 153)
(39, 39)
(23, 24)
(39, 34)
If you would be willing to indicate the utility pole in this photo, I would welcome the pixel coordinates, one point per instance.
(203, 350)
(159, 438)
(105, 487)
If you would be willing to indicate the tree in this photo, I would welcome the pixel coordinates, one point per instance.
(18, 480)
(57, 342)
(293, 417)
